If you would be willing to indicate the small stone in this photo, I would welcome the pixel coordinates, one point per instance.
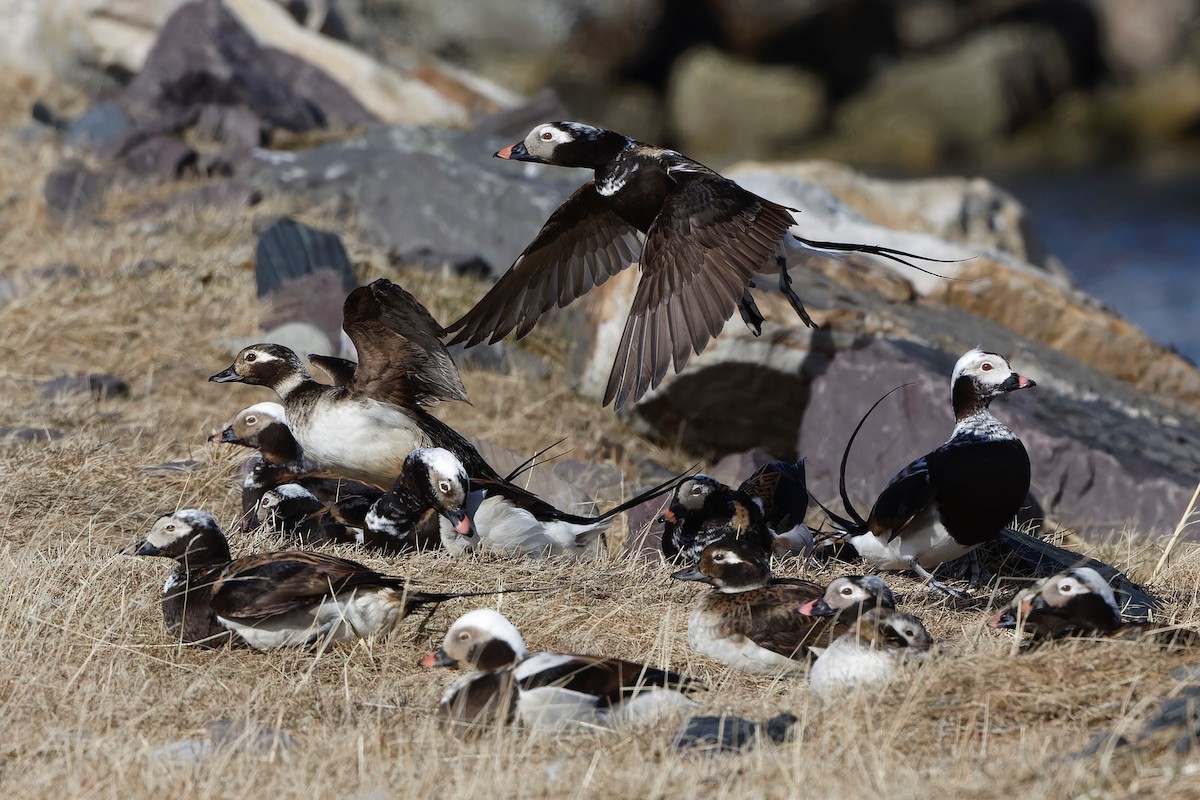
(72, 190)
(58, 272)
(98, 385)
(158, 159)
(730, 734)
(99, 127)
(19, 435)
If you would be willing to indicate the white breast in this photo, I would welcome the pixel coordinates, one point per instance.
(739, 652)
(502, 527)
(364, 439)
(847, 663)
(354, 614)
(925, 539)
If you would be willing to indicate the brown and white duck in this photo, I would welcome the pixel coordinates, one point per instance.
(546, 690)
(950, 501)
(275, 599)
(363, 429)
(1080, 602)
(752, 621)
(880, 644)
(699, 237)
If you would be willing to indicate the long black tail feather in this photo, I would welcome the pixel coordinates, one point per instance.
(858, 521)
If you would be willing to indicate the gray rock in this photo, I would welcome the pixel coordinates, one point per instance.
(417, 189)
(723, 108)
(96, 384)
(730, 734)
(239, 735)
(58, 272)
(72, 191)
(100, 126)
(157, 159)
(235, 126)
(593, 478)
(486, 357)
(21, 435)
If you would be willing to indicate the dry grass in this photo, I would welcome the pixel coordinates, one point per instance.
(89, 691)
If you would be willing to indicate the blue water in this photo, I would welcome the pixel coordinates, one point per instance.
(1132, 240)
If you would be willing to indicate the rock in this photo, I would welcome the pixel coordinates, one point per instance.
(231, 194)
(1142, 38)
(916, 113)
(239, 735)
(234, 126)
(733, 468)
(99, 126)
(58, 272)
(204, 55)
(98, 385)
(303, 276)
(72, 191)
(486, 357)
(417, 189)
(158, 159)
(592, 478)
(730, 734)
(10, 435)
(723, 108)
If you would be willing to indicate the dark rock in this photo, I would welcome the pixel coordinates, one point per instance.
(45, 115)
(338, 106)
(423, 190)
(593, 478)
(203, 55)
(303, 275)
(98, 385)
(72, 190)
(99, 128)
(158, 159)
(235, 126)
(19, 435)
(730, 734)
(734, 468)
(455, 263)
(58, 272)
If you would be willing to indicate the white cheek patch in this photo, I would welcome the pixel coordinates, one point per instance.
(270, 411)
(443, 463)
(160, 537)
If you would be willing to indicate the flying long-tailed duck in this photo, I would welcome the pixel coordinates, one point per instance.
(271, 599)
(703, 510)
(497, 516)
(950, 501)
(546, 690)
(366, 427)
(1080, 602)
(751, 621)
(882, 641)
(705, 239)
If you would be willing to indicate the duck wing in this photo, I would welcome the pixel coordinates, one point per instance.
(700, 256)
(401, 358)
(582, 245)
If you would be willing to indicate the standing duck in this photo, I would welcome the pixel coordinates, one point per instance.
(703, 511)
(705, 240)
(950, 501)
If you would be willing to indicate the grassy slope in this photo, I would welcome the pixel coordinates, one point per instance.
(89, 690)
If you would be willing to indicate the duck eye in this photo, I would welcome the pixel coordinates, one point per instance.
(464, 636)
(251, 420)
(987, 366)
(696, 491)
(171, 527)
(547, 136)
(847, 591)
(909, 632)
(1065, 588)
(444, 487)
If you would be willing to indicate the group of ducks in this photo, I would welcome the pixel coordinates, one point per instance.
(361, 460)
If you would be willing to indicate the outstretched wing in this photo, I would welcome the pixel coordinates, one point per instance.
(582, 245)
(401, 358)
(701, 254)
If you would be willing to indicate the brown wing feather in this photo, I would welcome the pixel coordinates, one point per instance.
(340, 370)
(401, 358)
(582, 245)
(610, 679)
(263, 585)
(776, 622)
(701, 254)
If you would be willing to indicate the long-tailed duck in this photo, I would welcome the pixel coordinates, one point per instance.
(881, 642)
(751, 621)
(703, 510)
(366, 427)
(705, 240)
(498, 516)
(271, 599)
(950, 501)
(781, 491)
(546, 690)
(1080, 602)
